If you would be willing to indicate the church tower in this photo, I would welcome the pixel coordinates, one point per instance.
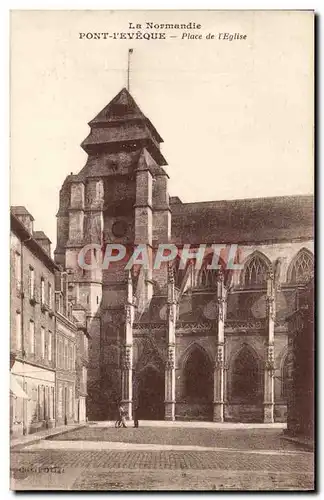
(119, 197)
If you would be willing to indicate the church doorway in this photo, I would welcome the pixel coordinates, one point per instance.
(245, 377)
(150, 394)
(198, 377)
(246, 386)
(197, 386)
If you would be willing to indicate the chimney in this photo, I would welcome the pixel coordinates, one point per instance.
(43, 241)
(24, 216)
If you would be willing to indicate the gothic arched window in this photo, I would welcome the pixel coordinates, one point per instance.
(178, 274)
(302, 267)
(210, 273)
(208, 278)
(256, 270)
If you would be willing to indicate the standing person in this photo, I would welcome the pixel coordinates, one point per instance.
(136, 417)
(122, 413)
(118, 421)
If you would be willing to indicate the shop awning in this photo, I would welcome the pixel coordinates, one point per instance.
(16, 388)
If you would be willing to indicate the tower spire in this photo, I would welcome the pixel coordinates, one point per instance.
(130, 51)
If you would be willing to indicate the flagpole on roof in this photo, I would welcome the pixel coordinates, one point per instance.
(130, 51)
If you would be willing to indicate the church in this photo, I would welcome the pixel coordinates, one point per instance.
(180, 343)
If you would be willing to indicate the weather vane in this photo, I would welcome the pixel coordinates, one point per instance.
(130, 51)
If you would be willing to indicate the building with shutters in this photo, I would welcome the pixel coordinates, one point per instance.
(179, 343)
(66, 338)
(43, 333)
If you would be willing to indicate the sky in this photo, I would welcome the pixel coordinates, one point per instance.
(236, 116)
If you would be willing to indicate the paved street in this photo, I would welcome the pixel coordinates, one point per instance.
(163, 458)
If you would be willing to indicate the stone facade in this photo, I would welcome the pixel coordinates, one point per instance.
(301, 375)
(179, 343)
(66, 336)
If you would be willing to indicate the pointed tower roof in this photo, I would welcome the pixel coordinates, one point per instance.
(122, 124)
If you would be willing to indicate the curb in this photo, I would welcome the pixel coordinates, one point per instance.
(300, 442)
(38, 438)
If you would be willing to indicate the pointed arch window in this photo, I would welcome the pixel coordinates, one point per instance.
(255, 272)
(209, 274)
(208, 278)
(179, 274)
(302, 267)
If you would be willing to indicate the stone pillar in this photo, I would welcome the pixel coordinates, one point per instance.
(218, 399)
(127, 365)
(268, 416)
(268, 403)
(218, 413)
(170, 363)
(170, 384)
(225, 394)
(127, 380)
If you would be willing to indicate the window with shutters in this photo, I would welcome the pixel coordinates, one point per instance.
(42, 291)
(60, 352)
(49, 346)
(31, 337)
(18, 331)
(71, 357)
(50, 296)
(65, 362)
(18, 271)
(42, 346)
(31, 282)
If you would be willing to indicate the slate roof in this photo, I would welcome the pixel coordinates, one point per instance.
(123, 108)
(121, 126)
(40, 235)
(122, 122)
(20, 210)
(20, 230)
(243, 221)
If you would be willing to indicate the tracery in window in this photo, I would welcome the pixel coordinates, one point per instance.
(302, 267)
(256, 270)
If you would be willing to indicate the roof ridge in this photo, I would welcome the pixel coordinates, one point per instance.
(233, 200)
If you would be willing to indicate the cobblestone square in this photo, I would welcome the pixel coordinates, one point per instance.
(152, 458)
